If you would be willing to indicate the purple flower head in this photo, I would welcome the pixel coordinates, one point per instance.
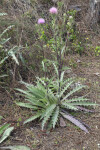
(53, 10)
(41, 21)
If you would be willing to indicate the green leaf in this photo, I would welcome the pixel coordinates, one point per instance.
(19, 147)
(65, 68)
(7, 29)
(27, 105)
(41, 80)
(47, 114)
(38, 93)
(31, 98)
(12, 52)
(56, 69)
(69, 106)
(55, 116)
(3, 41)
(14, 57)
(63, 49)
(76, 99)
(32, 118)
(73, 91)
(4, 75)
(85, 103)
(2, 61)
(62, 76)
(65, 88)
(6, 134)
(3, 127)
(43, 66)
(49, 109)
(22, 59)
(3, 14)
(63, 84)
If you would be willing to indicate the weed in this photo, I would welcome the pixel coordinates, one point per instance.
(52, 98)
(97, 50)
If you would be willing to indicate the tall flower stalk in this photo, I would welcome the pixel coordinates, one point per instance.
(57, 33)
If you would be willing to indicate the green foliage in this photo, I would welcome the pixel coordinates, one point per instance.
(3, 14)
(48, 100)
(97, 50)
(5, 131)
(6, 53)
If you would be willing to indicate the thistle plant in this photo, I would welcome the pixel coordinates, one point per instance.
(52, 98)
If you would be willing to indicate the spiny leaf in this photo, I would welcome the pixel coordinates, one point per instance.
(41, 81)
(50, 108)
(2, 61)
(26, 93)
(47, 114)
(69, 106)
(7, 29)
(37, 103)
(85, 103)
(4, 75)
(43, 66)
(22, 59)
(76, 99)
(27, 105)
(26, 84)
(55, 116)
(3, 14)
(19, 147)
(3, 41)
(73, 91)
(3, 127)
(6, 134)
(62, 76)
(56, 69)
(31, 98)
(38, 93)
(32, 118)
(14, 57)
(62, 51)
(63, 84)
(66, 87)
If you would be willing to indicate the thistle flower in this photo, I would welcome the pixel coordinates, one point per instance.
(41, 21)
(53, 10)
